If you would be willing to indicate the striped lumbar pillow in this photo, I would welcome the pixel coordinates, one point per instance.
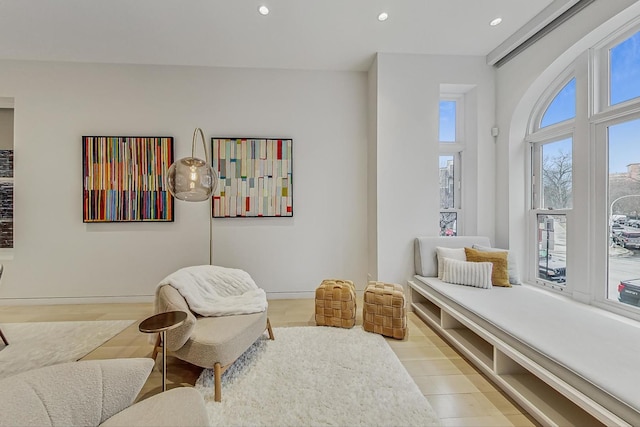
(477, 274)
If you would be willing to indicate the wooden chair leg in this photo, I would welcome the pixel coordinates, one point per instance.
(269, 329)
(4, 339)
(156, 347)
(217, 382)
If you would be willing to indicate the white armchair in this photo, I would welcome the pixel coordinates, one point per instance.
(95, 393)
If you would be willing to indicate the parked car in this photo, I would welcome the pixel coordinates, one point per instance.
(633, 223)
(620, 219)
(616, 227)
(552, 269)
(629, 292)
(627, 239)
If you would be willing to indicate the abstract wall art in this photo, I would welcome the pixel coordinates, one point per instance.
(255, 177)
(124, 178)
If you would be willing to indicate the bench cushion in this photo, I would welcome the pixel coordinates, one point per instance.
(585, 346)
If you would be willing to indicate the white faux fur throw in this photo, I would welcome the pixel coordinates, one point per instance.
(211, 290)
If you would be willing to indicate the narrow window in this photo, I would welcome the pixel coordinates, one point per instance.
(448, 213)
(553, 197)
(447, 121)
(451, 143)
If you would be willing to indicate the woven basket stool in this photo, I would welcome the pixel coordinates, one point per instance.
(384, 310)
(336, 303)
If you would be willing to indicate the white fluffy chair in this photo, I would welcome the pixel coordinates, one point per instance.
(95, 393)
(217, 339)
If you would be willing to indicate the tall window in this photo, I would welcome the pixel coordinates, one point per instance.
(552, 184)
(450, 134)
(552, 200)
(624, 211)
(448, 211)
(617, 131)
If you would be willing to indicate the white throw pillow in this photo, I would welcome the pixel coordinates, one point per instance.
(453, 253)
(512, 266)
(476, 274)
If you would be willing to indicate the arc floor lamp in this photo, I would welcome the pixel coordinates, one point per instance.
(193, 180)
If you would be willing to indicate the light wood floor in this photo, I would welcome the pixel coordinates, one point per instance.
(460, 394)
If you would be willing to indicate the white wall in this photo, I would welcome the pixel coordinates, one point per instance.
(519, 84)
(372, 174)
(407, 153)
(58, 256)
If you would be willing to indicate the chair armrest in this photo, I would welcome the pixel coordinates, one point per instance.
(77, 393)
(169, 299)
(182, 406)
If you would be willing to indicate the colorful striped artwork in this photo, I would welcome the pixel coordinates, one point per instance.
(255, 177)
(124, 178)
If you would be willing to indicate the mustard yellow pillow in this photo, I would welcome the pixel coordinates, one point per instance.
(500, 272)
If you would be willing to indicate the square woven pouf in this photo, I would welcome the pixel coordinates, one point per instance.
(336, 303)
(384, 310)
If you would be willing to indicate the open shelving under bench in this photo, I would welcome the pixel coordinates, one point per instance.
(546, 387)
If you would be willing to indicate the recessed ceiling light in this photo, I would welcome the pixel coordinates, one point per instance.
(495, 22)
(263, 10)
(383, 16)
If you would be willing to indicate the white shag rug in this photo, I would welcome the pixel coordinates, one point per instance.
(36, 344)
(317, 376)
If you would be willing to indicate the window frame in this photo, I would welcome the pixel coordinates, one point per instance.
(458, 98)
(536, 138)
(545, 101)
(600, 70)
(587, 223)
(600, 127)
(455, 149)
(602, 116)
(457, 185)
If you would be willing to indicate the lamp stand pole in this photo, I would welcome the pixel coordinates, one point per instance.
(210, 215)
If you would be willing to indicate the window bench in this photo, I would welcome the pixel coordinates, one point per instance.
(564, 362)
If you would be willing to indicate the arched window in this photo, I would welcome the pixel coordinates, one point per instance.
(562, 107)
(552, 181)
(584, 209)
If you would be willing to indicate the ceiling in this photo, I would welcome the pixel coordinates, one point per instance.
(299, 34)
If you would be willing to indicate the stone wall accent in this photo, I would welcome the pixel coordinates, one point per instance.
(6, 163)
(6, 214)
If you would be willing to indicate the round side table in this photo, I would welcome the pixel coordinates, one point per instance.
(161, 323)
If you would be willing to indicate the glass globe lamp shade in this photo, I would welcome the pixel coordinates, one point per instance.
(191, 179)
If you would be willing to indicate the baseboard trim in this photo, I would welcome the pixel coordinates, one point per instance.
(128, 299)
(78, 300)
(291, 295)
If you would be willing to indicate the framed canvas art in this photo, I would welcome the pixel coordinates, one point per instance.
(255, 177)
(124, 178)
